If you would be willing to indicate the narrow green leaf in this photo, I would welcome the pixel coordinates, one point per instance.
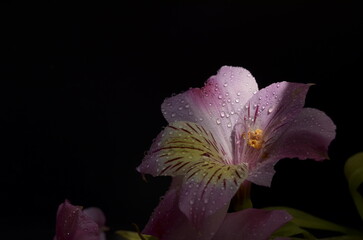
(354, 173)
(290, 230)
(305, 220)
(128, 235)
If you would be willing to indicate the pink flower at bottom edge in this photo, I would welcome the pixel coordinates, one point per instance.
(73, 223)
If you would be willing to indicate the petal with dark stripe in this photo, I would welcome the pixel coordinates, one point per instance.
(209, 178)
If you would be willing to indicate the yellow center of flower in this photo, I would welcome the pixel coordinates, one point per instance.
(254, 138)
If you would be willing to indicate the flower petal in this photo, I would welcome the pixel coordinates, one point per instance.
(189, 150)
(251, 224)
(168, 222)
(216, 106)
(308, 136)
(270, 112)
(97, 215)
(73, 224)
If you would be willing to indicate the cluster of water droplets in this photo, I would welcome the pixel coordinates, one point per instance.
(219, 101)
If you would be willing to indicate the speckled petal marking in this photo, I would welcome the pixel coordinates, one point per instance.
(209, 180)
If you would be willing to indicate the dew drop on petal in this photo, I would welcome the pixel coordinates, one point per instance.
(237, 100)
(270, 110)
(219, 96)
(229, 125)
(218, 121)
(173, 115)
(222, 114)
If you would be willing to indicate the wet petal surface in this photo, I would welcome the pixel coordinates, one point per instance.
(168, 222)
(217, 105)
(209, 181)
(251, 224)
(308, 137)
(73, 224)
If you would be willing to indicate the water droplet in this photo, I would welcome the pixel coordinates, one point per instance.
(270, 110)
(222, 114)
(232, 112)
(191, 201)
(278, 85)
(229, 125)
(219, 96)
(200, 119)
(227, 94)
(180, 108)
(173, 115)
(238, 94)
(187, 106)
(218, 121)
(237, 100)
(254, 92)
(225, 84)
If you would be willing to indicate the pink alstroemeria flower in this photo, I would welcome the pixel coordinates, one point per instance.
(229, 132)
(73, 223)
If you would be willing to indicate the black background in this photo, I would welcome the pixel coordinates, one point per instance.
(82, 86)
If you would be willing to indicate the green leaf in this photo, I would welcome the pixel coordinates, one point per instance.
(128, 235)
(290, 230)
(305, 220)
(354, 173)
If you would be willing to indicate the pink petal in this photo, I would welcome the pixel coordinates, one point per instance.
(272, 110)
(308, 137)
(209, 181)
(73, 224)
(97, 215)
(168, 222)
(251, 224)
(217, 105)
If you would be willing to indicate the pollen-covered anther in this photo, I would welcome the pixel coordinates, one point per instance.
(254, 138)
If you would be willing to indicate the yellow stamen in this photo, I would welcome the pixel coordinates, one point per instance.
(254, 138)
